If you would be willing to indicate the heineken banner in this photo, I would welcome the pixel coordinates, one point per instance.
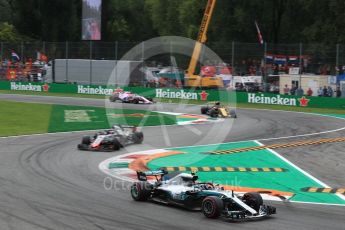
(204, 95)
(185, 94)
(286, 100)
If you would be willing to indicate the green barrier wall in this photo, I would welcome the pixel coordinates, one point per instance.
(188, 94)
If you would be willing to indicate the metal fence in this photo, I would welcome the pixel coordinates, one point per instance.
(244, 58)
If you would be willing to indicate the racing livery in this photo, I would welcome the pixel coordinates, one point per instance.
(183, 190)
(129, 97)
(112, 139)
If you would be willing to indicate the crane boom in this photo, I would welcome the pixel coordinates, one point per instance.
(201, 37)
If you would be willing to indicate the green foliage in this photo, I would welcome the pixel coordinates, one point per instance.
(8, 33)
(5, 15)
(280, 21)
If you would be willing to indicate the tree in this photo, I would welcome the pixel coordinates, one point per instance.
(8, 33)
(280, 21)
(48, 20)
(5, 11)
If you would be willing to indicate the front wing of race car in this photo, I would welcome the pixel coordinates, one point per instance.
(247, 212)
(265, 211)
(143, 100)
(101, 148)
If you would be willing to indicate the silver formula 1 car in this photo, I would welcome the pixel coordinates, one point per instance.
(183, 190)
(129, 97)
(112, 139)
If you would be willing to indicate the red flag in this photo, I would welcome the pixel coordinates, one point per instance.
(259, 33)
(11, 74)
(42, 57)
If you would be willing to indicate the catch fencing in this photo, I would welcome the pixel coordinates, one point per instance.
(243, 58)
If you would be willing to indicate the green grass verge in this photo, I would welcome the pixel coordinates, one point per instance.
(18, 118)
(73, 118)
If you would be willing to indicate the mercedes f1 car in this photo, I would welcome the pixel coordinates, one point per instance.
(183, 190)
(217, 110)
(129, 97)
(112, 139)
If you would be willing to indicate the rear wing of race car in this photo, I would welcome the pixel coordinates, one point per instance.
(142, 176)
(128, 126)
(134, 128)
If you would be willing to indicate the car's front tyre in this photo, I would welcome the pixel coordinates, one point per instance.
(253, 200)
(138, 137)
(86, 140)
(212, 207)
(204, 110)
(116, 144)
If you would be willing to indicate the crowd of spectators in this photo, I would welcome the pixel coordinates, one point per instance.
(329, 92)
(326, 91)
(23, 71)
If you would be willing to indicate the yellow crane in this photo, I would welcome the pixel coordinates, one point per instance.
(192, 79)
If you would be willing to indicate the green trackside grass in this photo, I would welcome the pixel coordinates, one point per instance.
(91, 118)
(18, 118)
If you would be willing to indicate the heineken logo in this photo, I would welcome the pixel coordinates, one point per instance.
(303, 101)
(276, 100)
(94, 90)
(181, 94)
(203, 95)
(26, 87)
(45, 87)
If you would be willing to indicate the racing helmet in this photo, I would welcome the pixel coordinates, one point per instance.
(187, 180)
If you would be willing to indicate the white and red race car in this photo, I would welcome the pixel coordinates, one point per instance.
(129, 97)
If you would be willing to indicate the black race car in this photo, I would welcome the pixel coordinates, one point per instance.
(217, 110)
(183, 190)
(112, 139)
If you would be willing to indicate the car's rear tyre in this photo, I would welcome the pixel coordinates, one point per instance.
(138, 137)
(113, 98)
(253, 200)
(204, 110)
(141, 191)
(86, 140)
(212, 207)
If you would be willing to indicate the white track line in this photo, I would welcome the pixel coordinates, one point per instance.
(301, 171)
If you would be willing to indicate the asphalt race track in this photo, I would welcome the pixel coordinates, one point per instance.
(46, 183)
